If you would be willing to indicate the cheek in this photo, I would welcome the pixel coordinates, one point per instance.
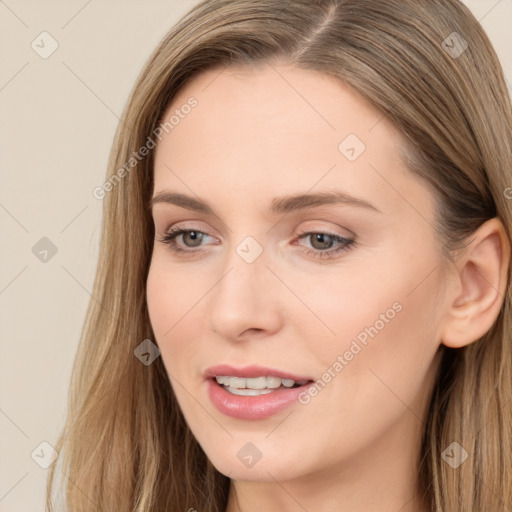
(159, 300)
(336, 304)
(388, 345)
(172, 295)
(165, 308)
(384, 316)
(175, 300)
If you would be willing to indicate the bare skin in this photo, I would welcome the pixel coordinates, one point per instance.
(255, 136)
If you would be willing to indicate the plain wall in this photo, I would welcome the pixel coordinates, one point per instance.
(58, 117)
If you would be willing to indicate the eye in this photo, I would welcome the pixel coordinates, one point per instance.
(322, 243)
(194, 236)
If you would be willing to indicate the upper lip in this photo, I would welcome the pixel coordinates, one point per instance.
(250, 371)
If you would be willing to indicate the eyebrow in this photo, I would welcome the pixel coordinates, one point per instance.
(279, 205)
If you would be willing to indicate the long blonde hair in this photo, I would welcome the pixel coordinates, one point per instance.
(125, 446)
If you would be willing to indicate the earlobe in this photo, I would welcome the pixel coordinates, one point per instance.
(482, 274)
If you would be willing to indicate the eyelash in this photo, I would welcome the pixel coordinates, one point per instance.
(345, 244)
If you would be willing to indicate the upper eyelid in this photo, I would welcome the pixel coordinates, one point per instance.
(184, 225)
(302, 232)
(179, 227)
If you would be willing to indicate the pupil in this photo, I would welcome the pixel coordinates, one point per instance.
(321, 237)
(196, 237)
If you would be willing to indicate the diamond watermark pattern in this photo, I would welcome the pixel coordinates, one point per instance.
(44, 249)
(44, 455)
(454, 455)
(249, 249)
(146, 352)
(352, 147)
(249, 454)
(455, 45)
(44, 45)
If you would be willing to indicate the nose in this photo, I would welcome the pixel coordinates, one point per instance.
(246, 299)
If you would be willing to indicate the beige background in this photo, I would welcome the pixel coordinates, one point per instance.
(58, 116)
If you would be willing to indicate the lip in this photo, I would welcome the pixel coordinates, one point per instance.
(252, 407)
(251, 371)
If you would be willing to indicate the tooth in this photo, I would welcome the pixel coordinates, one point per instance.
(249, 392)
(256, 383)
(273, 382)
(237, 382)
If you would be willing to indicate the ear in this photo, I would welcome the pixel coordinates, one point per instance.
(482, 279)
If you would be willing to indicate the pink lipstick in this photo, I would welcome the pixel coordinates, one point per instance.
(253, 392)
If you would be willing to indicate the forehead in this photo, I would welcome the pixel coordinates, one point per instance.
(260, 131)
(281, 94)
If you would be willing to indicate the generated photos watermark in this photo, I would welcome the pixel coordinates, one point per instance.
(171, 123)
(357, 345)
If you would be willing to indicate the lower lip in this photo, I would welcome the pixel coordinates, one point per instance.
(253, 407)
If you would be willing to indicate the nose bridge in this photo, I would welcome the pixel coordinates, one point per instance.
(243, 298)
(245, 268)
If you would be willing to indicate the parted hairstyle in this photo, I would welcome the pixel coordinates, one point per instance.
(125, 446)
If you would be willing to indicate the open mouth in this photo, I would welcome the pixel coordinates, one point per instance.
(254, 398)
(256, 386)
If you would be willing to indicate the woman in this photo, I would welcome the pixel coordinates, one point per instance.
(303, 294)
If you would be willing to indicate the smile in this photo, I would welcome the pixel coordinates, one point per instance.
(256, 386)
(247, 403)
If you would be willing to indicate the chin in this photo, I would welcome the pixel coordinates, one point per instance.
(239, 466)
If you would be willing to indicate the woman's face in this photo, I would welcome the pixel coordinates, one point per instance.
(309, 253)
